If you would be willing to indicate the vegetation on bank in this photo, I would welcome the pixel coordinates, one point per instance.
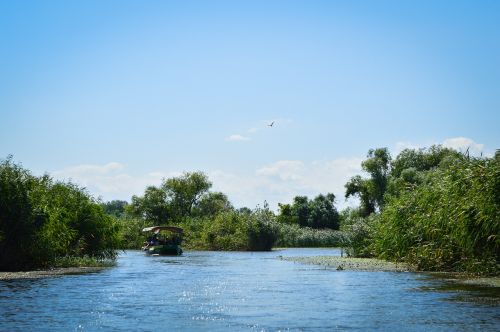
(433, 208)
(436, 209)
(352, 264)
(43, 222)
(211, 222)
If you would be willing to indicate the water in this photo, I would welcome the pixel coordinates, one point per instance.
(231, 291)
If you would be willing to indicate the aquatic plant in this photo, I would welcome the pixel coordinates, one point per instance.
(291, 235)
(450, 222)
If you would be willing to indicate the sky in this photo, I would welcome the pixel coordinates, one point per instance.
(117, 95)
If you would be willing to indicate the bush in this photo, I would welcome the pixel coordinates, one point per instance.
(262, 230)
(130, 232)
(41, 220)
(232, 230)
(450, 222)
(290, 235)
(228, 231)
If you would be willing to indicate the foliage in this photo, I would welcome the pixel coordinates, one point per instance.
(292, 235)
(449, 222)
(262, 230)
(440, 211)
(233, 230)
(357, 186)
(371, 191)
(422, 159)
(153, 206)
(317, 213)
(130, 232)
(184, 192)
(41, 220)
(358, 233)
(410, 166)
(212, 204)
(19, 219)
(174, 200)
(115, 208)
(228, 231)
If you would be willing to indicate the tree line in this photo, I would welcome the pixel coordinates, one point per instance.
(211, 222)
(435, 208)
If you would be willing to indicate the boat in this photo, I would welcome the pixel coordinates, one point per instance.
(163, 240)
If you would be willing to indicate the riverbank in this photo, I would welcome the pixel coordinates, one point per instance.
(49, 273)
(352, 264)
(377, 265)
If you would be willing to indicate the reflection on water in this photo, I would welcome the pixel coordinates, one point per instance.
(461, 291)
(237, 291)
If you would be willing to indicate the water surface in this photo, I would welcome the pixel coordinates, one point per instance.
(227, 291)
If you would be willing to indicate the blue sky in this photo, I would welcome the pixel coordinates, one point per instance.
(118, 94)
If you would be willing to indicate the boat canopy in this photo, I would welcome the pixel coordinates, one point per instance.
(157, 229)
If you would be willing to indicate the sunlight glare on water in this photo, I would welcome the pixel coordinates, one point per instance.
(226, 291)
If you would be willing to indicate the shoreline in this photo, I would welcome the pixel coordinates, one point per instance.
(352, 264)
(38, 274)
(377, 265)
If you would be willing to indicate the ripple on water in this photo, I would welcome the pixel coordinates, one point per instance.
(220, 291)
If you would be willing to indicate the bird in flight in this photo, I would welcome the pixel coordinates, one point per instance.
(271, 124)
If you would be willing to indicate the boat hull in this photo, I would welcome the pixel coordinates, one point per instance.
(164, 250)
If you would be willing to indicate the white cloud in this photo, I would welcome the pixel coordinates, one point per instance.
(253, 130)
(93, 169)
(457, 143)
(108, 181)
(280, 181)
(237, 137)
(283, 169)
(462, 144)
(277, 182)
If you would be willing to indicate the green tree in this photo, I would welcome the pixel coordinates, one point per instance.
(262, 230)
(357, 186)
(115, 208)
(301, 210)
(317, 213)
(371, 191)
(323, 213)
(285, 215)
(410, 168)
(185, 191)
(154, 206)
(211, 204)
(422, 159)
(244, 210)
(175, 199)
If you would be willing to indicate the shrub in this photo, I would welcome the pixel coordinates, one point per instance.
(41, 220)
(228, 231)
(451, 222)
(290, 235)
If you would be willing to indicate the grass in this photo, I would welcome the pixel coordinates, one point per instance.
(352, 264)
(86, 261)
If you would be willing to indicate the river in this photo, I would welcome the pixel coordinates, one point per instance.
(231, 291)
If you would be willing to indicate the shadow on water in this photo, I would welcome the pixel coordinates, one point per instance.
(462, 289)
